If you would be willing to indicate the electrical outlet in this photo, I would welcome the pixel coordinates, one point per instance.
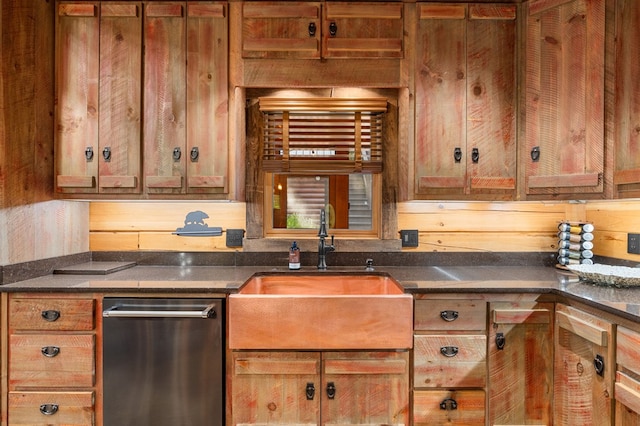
(234, 237)
(409, 237)
(633, 243)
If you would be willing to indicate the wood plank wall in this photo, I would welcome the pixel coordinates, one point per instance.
(485, 226)
(612, 221)
(26, 102)
(442, 226)
(43, 230)
(131, 226)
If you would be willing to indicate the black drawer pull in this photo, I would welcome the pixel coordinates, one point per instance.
(449, 315)
(449, 404)
(49, 409)
(50, 315)
(449, 351)
(50, 351)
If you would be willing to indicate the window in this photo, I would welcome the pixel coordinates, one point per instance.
(349, 200)
(321, 154)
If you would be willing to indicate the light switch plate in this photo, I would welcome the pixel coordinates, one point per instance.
(633, 243)
(409, 237)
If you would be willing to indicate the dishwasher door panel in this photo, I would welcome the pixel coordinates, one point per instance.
(163, 370)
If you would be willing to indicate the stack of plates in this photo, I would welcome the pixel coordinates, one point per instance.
(619, 276)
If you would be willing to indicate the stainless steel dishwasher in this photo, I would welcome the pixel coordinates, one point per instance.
(163, 362)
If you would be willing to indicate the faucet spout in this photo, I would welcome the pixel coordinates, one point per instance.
(322, 232)
(323, 247)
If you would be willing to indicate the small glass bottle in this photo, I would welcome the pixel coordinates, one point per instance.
(294, 256)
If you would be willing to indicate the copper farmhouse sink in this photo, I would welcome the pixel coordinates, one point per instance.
(321, 311)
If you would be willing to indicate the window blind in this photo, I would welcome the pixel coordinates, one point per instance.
(322, 135)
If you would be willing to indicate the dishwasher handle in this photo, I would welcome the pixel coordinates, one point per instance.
(113, 312)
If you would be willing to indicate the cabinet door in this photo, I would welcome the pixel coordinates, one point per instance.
(626, 177)
(207, 98)
(77, 72)
(521, 363)
(627, 410)
(362, 30)
(164, 98)
(627, 386)
(283, 30)
(465, 100)
(491, 100)
(280, 388)
(584, 368)
(365, 388)
(440, 150)
(565, 97)
(120, 98)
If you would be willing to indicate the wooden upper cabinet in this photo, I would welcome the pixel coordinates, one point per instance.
(465, 74)
(281, 30)
(185, 95)
(77, 73)
(120, 127)
(362, 30)
(565, 51)
(165, 97)
(123, 110)
(99, 99)
(311, 30)
(207, 99)
(626, 177)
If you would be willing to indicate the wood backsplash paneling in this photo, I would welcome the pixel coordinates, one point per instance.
(442, 226)
(126, 226)
(612, 221)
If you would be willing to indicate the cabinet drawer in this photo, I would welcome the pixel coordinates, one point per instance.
(53, 360)
(450, 315)
(51, 314)
(436, 407)
(449, 361)
(50, 408)
(628, 349)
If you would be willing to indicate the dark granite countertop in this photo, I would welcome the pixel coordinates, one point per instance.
(416, 280)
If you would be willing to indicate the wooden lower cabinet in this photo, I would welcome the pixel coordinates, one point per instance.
(584, 368)
(520, 363)
(52, 360)
(627, 386)
(449, 362)
(313, 388)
